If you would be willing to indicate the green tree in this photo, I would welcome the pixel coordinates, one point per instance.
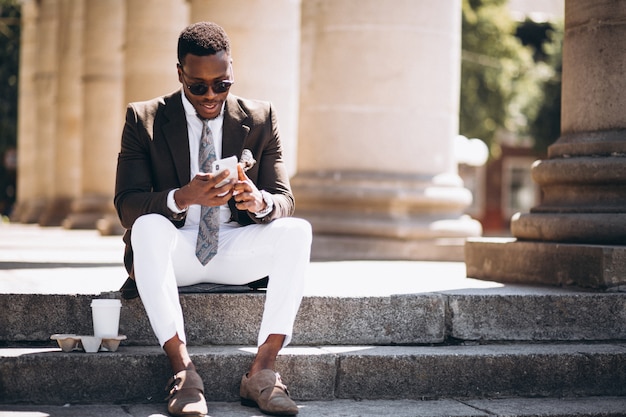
(502, 80)
(9, 63)
(546, 127)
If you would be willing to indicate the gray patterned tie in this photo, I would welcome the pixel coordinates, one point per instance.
(208, 230)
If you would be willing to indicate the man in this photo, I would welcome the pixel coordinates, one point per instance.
(183, 230)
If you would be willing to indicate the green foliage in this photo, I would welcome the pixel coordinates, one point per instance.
(502, 80)
(546, 127)
(9, 59)
(9, 62)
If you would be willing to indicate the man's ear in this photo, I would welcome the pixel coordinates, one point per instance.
(179, 69)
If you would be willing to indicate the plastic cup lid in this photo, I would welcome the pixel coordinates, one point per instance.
(106, 302)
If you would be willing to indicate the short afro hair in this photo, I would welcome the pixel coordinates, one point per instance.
(202, 38)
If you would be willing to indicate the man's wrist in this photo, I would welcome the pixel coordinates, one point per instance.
(269, 205)
(173, 205)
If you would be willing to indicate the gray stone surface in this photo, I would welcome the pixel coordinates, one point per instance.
(34, 317)
(553, 407)
(560, 264)
(231, 319)
(496, 314)
(397, 319)
(482, 371)
(514, 407)
(530, 315)
(139, 374)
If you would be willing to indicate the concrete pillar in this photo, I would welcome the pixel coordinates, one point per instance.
(66, 161)
(43, 114)
(103, 109)
(377, 176)
(576, 235)
(27, 181)
(266, 55)
(45, 110)
(151, 37)
(152, 31)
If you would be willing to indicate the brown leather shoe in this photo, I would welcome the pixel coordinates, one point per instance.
(186, 395)
(266, 391)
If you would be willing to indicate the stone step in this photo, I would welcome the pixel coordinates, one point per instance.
(509, 313)
(510, 407)
(139, 374)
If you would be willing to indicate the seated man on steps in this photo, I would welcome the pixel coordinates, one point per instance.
(183, 229)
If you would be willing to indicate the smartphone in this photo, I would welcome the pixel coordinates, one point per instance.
(230, 164)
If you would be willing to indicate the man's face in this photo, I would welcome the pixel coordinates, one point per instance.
(210, 71)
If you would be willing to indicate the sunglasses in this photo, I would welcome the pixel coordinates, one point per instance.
(200, 89)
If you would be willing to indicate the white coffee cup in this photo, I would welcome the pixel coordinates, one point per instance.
(106, 317)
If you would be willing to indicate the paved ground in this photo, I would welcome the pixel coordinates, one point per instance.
(58, 261)
(517, 407)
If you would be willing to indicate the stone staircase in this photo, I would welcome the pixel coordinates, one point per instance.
(465, 344)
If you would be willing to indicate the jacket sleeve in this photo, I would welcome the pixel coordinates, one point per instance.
(136, 193)
(269, 173)
(273, 176)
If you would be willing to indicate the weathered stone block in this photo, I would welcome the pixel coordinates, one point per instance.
(524, 262)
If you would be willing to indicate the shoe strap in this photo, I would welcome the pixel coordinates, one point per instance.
(277, 384)
(183, 380)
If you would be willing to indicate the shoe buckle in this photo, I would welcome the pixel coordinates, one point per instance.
(172, 387)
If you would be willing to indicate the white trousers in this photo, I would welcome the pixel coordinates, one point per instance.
(164, 258)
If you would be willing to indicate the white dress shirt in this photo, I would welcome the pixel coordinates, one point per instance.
(194, 130)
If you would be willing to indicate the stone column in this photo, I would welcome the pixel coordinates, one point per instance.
(266, 55)
(151, 36)
(27, 181)
(68, 137)
(576, 235)
(150, 52)
(47, 90)
(377, 176)
(43, 114)
(103, 109)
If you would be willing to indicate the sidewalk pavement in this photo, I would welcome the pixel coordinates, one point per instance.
(514, 407)
(52, 260)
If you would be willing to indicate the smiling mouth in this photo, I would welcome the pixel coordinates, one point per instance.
(210, 108)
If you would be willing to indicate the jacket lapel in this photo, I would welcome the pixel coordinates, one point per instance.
(176, 136)
(175, 133)
(235, 129)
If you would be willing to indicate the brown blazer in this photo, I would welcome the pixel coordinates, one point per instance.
(154, 159)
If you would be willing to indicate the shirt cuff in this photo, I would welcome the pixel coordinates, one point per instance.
(171, 203)
(269, 205)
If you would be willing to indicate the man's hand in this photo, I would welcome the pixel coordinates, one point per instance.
(201, 190)
(247, 196)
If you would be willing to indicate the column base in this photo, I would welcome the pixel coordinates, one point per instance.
(55, 212)
(547, 263)
(384, 216)
(28, 211)
(87, 210)
(345, 248)
(586, 228)
(110, 225)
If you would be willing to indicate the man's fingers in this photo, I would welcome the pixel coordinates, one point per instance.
(214, 178)
(242, 176)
